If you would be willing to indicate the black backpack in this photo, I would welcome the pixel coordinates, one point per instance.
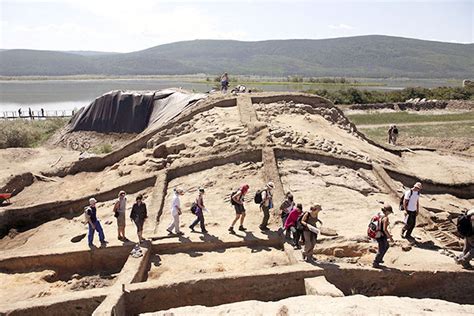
(299, 226)
(231, 199)
(193, 208)
(464, 225)
(258, 197)
(395, 131)
(402, 198)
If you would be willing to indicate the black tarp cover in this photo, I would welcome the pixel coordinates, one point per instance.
(116, 111)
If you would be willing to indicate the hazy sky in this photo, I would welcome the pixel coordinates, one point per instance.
(124, 26)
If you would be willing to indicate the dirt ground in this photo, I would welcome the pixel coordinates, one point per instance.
(185, 266)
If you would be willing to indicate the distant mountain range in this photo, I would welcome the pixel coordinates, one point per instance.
(360, 56)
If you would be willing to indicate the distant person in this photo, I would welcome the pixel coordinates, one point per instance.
(224, 82)
(19, 112)
(392, 134)
(266, 205)
(383, 235)
(286, 207)
(42, 112)
(119, 213)
(138, 216)
(30, 112)
(198, 211)
(465, 227)
(291, 225)
(237, 200)
(310, 231)
(175, 212)
(93, 223)
(411, 205)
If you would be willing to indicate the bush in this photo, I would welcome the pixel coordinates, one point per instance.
(25, 133)
(103, 149)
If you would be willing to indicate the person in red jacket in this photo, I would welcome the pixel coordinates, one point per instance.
(290, 224)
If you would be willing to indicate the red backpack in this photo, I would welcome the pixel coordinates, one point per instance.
(375, 227)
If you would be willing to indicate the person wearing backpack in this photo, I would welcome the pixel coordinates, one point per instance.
(291, 225)
(411, 205)
(237, 200)
(119, 212)
(266, 205)
(138, 216)
(93, 223)
(465, 227)
(382, 234)
(310, 232)
(199, 209)
(175, 212)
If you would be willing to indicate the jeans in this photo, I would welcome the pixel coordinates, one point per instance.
(98, 227)
(468, 250)
(383, 247)
(266, 215)
(411, 223)
(199, 219)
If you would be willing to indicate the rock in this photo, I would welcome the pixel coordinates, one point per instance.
(338, 252)
(220, 135)
(211, 140)
(406, 247)
(321, 287)
(160, 151)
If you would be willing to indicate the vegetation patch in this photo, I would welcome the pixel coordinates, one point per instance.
(406, 117)
(26, 133)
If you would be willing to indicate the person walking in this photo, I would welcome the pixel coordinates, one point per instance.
(119, 213)
(291, 225)
(224, 82)
(199, 212)
(466, 229)
(285, 208)
(94, 224)
(175, 212)
(237, 199)
(411, 205)
(310, 231)
(19, 112)
(266, 205)
(384, 235)
(138, 216)
(42, 112)
(392, 134)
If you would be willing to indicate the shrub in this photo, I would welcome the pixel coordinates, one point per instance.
(103, 149)
(25, 133)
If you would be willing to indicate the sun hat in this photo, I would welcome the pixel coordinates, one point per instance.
(388, 208)
(201, 189)
(316, 207)
(92, 200)
(270, 185)
(418, 185)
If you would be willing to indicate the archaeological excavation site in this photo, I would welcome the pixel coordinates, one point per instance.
(162, 140)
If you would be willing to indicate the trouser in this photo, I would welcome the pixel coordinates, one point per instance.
(468, 250)
(411, 223)
(284, 216)
(309, 243)
(199, 219)
(174, 223)
(98, 227)
(383, 247)
(266, 215)
(296, 235)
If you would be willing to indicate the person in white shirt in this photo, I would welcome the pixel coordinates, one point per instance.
(266, 205)
(411, 205)
(175, 212)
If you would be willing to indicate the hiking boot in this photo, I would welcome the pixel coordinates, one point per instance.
(192, 228)
(467, 265)
(180, 233)
(169, 232)
(376, 265)
(231, 230)
(242, 228)
(264, 228)
(204, 231)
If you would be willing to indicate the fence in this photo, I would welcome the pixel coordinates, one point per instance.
(11, 115)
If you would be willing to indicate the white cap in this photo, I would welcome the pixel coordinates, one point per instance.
(92, 200)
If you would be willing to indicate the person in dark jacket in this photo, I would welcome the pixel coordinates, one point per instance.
(138, 216)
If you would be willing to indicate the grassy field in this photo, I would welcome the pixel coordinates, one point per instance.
(405, 117)
(25, 133)
(379, 134)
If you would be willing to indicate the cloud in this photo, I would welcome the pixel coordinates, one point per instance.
(341, 26)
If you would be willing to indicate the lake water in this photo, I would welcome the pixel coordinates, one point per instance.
(73, 94)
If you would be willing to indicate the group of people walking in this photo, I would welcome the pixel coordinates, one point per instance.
(300, 227)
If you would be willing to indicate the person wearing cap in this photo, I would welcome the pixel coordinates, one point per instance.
(119, 213)
(199, 212)
(175, 212)
(411, 206)
(385, 235)
(138, 216)
(94, 224)
(238, 202)
(309, 221)
(266, 204)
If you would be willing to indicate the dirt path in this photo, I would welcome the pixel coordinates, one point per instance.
(414, 123)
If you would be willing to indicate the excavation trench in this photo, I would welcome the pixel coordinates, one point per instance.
(148, 297)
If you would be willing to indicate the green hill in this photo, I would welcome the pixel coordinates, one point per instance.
(361, 56)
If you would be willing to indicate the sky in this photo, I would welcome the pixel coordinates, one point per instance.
(125, 26)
